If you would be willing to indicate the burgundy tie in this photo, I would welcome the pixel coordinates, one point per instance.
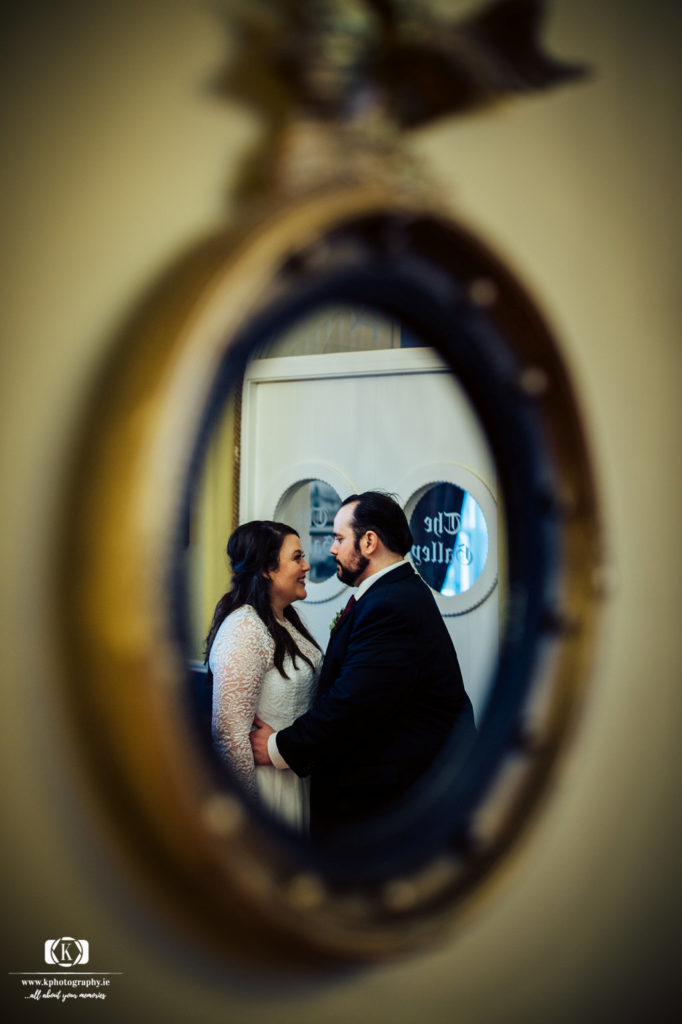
(351, 602)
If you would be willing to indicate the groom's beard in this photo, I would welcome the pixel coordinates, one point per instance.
(349, 573)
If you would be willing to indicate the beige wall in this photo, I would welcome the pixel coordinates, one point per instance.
(214, 515)
(114, 161)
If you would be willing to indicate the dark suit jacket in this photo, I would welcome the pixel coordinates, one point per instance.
(389, 694)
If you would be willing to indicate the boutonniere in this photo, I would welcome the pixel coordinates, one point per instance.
(335, 621)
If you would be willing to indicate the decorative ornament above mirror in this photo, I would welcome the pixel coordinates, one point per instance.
(342, 83)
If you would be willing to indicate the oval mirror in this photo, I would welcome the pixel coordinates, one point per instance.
(389, 296)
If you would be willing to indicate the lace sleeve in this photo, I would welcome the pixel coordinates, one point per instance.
(240, 656)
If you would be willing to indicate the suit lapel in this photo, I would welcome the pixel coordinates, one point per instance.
(339, 634)
(342, 626)
(335, 646)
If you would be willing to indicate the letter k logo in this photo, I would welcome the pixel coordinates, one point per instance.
(65, 952)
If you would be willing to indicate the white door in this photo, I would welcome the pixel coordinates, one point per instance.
(318, 428)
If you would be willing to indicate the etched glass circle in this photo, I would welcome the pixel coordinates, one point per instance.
(310, 508)
(450, 534)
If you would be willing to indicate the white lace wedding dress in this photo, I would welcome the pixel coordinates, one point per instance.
(246, 683)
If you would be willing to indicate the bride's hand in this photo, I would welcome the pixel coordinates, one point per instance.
(259, 741)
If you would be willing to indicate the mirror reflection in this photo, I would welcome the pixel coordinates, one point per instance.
(328, 716)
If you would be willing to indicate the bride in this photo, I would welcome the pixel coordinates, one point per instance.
(263, 660)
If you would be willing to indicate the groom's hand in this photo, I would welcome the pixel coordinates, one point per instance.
(259, 741)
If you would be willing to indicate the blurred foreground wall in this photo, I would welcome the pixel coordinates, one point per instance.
(115, 160)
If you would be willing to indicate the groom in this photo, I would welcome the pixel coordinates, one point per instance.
(390, 690)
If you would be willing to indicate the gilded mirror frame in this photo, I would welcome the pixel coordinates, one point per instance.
(210, 857)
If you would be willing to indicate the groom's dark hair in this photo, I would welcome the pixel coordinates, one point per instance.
(380, 512)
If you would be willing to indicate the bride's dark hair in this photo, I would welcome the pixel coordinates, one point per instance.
(253, 550)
